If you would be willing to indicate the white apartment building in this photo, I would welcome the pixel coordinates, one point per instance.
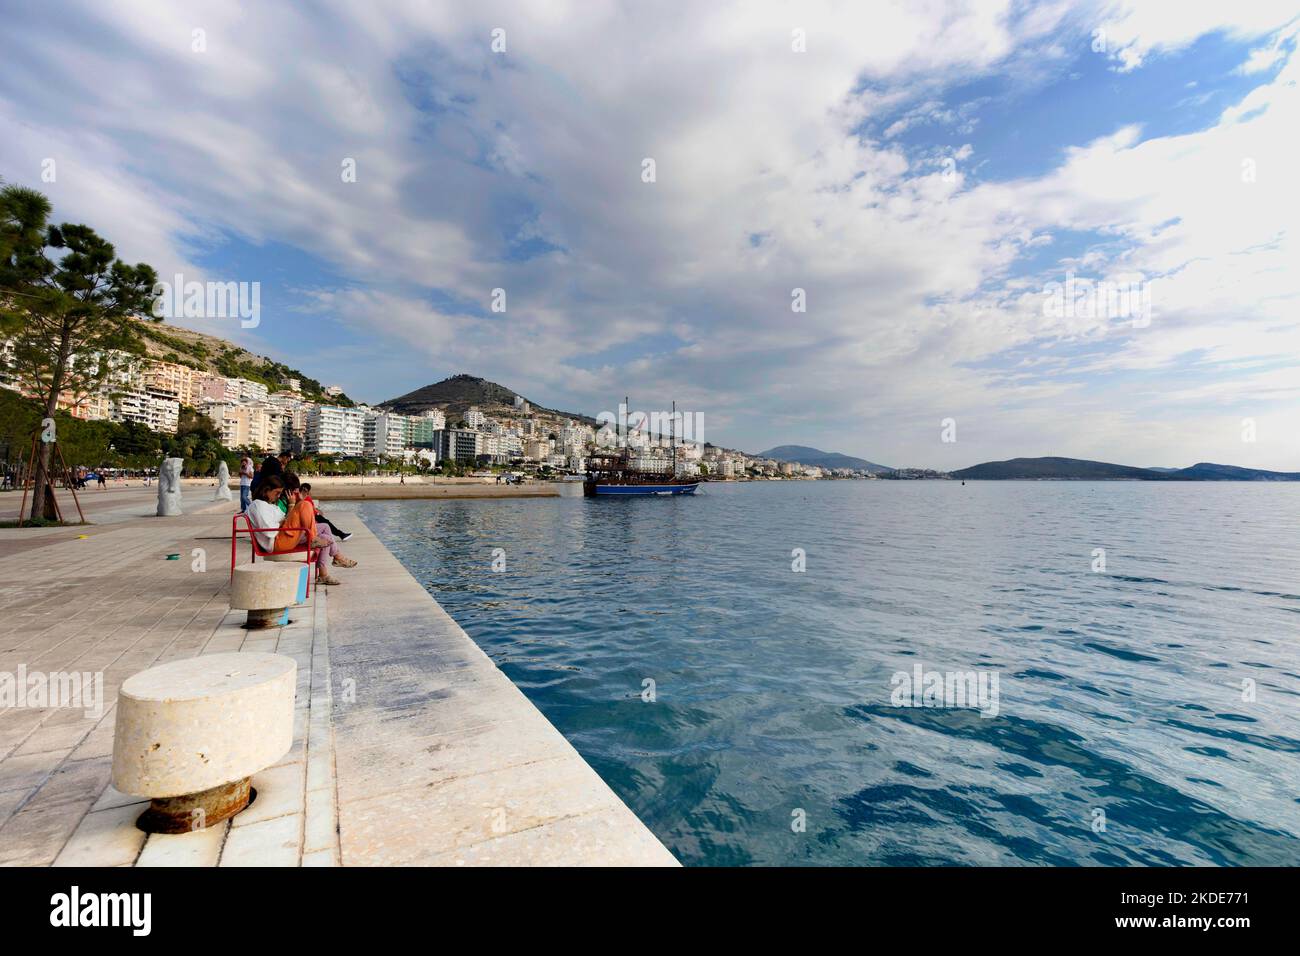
(385, 435)
(474, 417)
(576, 436)
(159, 414)
(242, 390)
(333, 430)
(125, 373)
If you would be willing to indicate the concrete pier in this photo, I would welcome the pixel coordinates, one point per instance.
(410, 746)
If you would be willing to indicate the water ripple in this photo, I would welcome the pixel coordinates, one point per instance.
(1159, 694)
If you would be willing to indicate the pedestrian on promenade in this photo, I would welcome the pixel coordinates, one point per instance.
(245, 482)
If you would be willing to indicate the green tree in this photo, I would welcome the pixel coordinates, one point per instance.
(67, 315)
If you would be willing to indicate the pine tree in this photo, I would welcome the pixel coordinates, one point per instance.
(67, 315)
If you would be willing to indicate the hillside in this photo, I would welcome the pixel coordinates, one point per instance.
(1207, 471)
(455, 395)
(1076, 469)
(822, 459)
(171, 343)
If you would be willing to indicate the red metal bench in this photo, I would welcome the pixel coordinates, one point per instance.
(309, 553)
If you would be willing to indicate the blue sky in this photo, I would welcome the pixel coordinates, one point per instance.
(922, 176)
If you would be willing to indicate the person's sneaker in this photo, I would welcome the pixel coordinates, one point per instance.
(344, 535)
(327, 580)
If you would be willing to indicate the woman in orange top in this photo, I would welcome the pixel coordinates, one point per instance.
(301, 527)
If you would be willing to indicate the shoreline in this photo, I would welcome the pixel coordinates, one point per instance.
(394, 492)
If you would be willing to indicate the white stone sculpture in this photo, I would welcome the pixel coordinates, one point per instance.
(223, 483)
(169, 487)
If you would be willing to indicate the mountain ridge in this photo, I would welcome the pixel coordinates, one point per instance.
(456, 394)
(805, 455)
(1052, 468)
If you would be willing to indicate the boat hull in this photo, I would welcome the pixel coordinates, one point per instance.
(641, 489)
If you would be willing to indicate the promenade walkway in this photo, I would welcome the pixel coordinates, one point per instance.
(410, 747)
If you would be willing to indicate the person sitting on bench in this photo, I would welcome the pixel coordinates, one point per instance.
(296, 528)
(340, 535)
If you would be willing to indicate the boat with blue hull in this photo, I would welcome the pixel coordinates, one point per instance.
(648, 489)
(619, 473)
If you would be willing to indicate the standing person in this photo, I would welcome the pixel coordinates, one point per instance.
(102, 482)
(245, 482)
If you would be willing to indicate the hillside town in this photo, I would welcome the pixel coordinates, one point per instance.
(254, 417)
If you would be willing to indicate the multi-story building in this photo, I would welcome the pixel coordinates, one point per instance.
(385, 434)
(169, 380)
(296, 409)
(243, 390)
(536, 449)
(218, 388)
(576, 436)
(93, 407)
(474, 417)
(333, 430)
(159, 414)
(458, 444)
(125, 372)
(206, 387)
(420, 429)
(8, 364)
(266, 427)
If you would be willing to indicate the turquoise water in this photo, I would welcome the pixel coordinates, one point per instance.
(1124, 730)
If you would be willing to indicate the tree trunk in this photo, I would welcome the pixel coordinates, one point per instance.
(43, 493)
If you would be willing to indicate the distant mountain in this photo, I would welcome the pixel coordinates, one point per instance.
(1207, 471)
(1077, 469)
(821, 459)
(1057, 468)
(455, 395)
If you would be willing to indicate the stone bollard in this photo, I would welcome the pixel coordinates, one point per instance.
(267, 590)
(223, 483)
(190, 735)
(169, 487)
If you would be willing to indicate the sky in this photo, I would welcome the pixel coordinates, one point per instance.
(929, 174)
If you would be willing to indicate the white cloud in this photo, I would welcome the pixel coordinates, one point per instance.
(657, 289)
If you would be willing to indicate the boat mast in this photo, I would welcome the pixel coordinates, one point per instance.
(672, 440)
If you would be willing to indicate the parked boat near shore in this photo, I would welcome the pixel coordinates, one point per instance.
(619, 472)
